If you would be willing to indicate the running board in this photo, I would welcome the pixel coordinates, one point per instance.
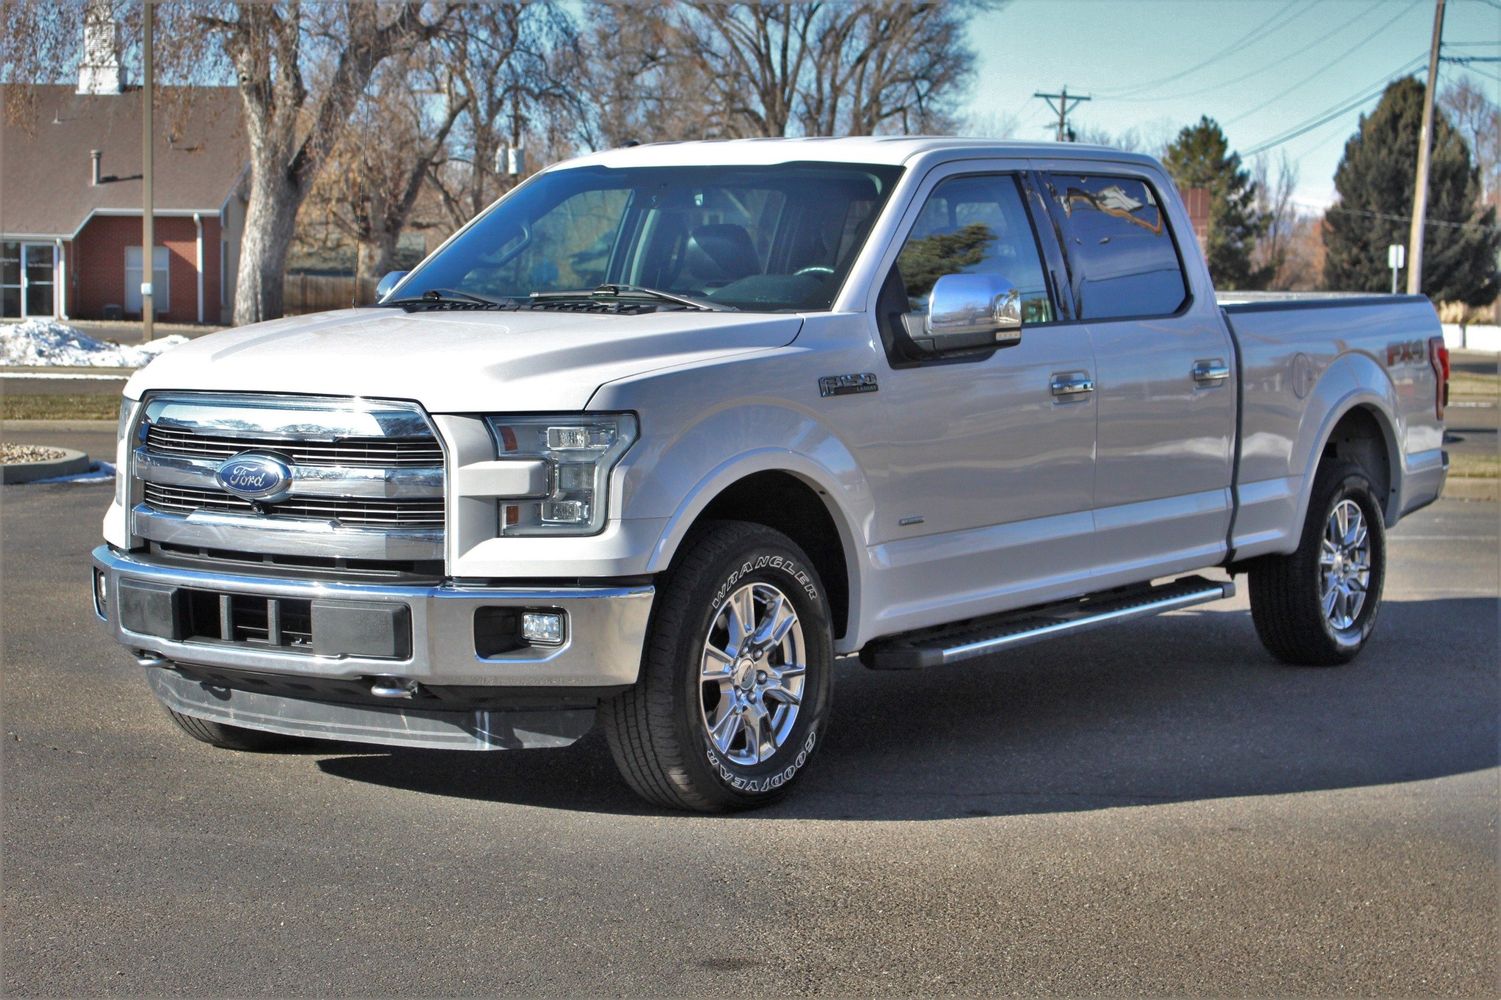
(982, 636)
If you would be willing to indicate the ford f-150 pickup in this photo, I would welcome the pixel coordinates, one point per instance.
(669, 429)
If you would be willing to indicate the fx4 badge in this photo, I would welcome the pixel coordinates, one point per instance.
(845, 385)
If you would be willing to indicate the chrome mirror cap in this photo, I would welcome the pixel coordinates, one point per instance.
(973, 310)
(390, 281)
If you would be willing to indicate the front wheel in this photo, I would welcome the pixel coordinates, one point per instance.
(736, 678)
(1317, 606)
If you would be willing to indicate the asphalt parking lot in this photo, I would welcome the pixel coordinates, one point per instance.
(1157, 809)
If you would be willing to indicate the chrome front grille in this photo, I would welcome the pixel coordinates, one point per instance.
(403, 513)
(367, 477)
(392, 453)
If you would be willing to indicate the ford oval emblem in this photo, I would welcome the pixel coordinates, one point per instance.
(256, 477)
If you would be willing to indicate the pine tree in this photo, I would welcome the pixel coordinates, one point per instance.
(1201, 158)
(1375, 182)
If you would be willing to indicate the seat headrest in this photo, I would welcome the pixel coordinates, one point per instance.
(720, 253)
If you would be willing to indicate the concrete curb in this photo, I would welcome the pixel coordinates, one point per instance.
(71, 464)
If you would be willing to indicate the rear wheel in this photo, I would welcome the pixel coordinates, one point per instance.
(736, 678)
(1317, 606)
(232, 737)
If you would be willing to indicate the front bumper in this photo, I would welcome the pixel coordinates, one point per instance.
(601, 649)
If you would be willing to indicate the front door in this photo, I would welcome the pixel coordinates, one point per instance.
(38, 270)
(981, 471)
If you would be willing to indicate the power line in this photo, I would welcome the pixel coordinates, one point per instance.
(1262, 29)
(1330, 114)
(1260, 69)
(1392, 216)
(1328, 65)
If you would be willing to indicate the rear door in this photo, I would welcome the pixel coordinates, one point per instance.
(1165, 385)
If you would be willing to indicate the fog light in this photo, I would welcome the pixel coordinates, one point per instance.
(101, 595)
(543, 628)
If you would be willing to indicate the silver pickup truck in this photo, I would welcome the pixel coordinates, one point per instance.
(668, 430)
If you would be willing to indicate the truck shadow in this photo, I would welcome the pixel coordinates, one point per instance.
(1173, 709)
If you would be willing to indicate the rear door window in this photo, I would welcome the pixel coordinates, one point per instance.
(1121, 251)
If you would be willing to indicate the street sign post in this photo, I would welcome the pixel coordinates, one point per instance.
(1396, 259)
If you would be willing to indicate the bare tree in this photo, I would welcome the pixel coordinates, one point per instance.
(1274, 185)
(399, 130)
(515, 71)
(292, 130)
(717, 70)
(1479, 120)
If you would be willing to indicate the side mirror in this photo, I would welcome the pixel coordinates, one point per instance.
(390, 281)
(971, 311)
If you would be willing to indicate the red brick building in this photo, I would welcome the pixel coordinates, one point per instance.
(71, 201)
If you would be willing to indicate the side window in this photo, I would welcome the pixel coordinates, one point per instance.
(975, 225)
(1120, 248)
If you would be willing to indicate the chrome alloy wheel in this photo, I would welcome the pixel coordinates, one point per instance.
(752, 674)
(1344, 565)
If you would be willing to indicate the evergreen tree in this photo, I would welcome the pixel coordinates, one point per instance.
(1201, 158)
(1375, 181)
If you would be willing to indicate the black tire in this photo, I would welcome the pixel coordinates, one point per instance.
(657, 730)
(232, 737)
(1287, 591)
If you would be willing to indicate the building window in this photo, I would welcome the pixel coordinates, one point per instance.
(160, 289)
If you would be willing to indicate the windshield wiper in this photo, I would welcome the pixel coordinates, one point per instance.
(620, 291)
(437, 296)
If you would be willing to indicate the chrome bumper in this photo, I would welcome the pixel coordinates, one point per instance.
(602, 647)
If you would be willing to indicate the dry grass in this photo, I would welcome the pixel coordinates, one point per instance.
(61, 406)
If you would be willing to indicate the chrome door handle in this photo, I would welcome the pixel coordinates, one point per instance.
(1072, 385)
(1209, 372)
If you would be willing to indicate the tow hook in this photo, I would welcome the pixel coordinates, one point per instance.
(392, 687)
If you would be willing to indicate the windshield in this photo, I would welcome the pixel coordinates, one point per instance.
(761, 238)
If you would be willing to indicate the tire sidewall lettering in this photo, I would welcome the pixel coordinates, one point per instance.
(765, 783)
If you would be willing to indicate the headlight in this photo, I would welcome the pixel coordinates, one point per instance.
(580, 450)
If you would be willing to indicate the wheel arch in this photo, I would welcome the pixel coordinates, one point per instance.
(792, 495)
(1360, 429)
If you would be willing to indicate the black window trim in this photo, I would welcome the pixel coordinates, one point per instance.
(1060, 221)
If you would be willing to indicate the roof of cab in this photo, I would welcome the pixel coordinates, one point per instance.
(894, 150)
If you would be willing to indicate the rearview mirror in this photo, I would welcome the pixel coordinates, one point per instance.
(971, 311)
(390, 281)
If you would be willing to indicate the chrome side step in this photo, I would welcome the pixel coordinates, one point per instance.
(983, 636)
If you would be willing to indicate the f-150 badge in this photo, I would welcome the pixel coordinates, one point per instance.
(845, 385)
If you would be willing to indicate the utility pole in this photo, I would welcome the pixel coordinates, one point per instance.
(148, 237)
(1062, 108)
(1425, 143)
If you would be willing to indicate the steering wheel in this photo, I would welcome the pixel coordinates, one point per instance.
(818, 269)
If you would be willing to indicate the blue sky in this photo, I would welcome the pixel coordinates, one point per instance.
(1150, 66)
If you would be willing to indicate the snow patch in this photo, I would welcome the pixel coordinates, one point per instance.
(40, 342)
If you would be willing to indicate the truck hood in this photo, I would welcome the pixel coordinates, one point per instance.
(457, 361)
